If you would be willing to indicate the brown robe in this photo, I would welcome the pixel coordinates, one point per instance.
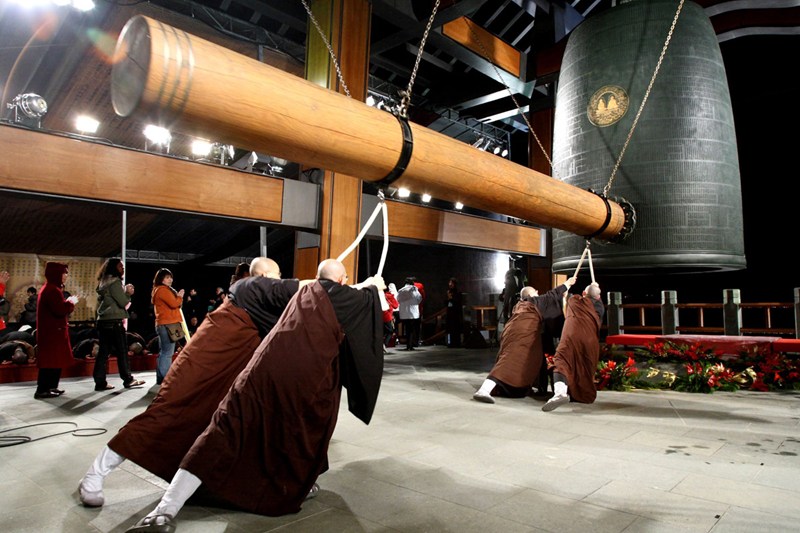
(579, 349)
(197, 381)
(268, 440)
(520, 357)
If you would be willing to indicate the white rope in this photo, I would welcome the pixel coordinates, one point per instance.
(378, 208)
(586, 253)
(385, 240)
(578, 268)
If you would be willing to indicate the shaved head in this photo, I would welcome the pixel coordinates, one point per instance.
(332, 270)
(527, 293)
(264, 266)
(592, 291)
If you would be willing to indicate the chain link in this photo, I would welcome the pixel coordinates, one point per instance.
(607, 188)
(511, 94)
(328, 45)
(406, 95)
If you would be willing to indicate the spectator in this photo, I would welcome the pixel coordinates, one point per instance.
(28, 315)
(5, 305)
(409, 299)
(388, 315)
(167, 308)
(455, 314)
(113, 299)
(52, 336)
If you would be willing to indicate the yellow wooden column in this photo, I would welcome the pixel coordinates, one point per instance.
(346, 24)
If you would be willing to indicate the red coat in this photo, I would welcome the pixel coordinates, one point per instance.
(52, 324)
(388, 315)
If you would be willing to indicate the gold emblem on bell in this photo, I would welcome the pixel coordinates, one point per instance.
(607, 105)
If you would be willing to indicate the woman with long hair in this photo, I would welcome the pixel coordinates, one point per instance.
(167, 307)
(113, 299)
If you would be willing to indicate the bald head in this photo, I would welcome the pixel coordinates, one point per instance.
(527, 293)
(592, 291)
(264, 266)
(332, 270)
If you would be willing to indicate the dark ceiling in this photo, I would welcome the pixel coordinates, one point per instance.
(64, 56)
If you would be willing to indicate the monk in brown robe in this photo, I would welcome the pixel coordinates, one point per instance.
(520, 358)
(268, 441)
(579, 350)
(197, 381)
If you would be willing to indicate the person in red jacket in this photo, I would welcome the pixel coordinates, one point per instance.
(4, 277)
(52, 333)
(388, 315)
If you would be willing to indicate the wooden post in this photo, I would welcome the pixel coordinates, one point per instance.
(669, 312)
(614, 313)
(732, 312)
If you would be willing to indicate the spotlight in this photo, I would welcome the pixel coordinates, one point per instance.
(459, 206)
(157, 136)
(370, 101)
(86, 124)
(426, 198)
(402, 192)
(29, 108)
(504, 153)
(83, 5)
(497, 149)
(478, 142)
(201, 148)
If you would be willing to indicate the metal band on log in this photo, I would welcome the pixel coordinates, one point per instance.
(188, 83)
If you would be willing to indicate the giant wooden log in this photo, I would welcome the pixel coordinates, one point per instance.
(192, 85)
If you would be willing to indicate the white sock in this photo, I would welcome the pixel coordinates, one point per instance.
(183, 485)
(487, 387)
(106, 461)
(560, 388)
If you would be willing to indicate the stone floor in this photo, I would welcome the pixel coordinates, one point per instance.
(435, 460)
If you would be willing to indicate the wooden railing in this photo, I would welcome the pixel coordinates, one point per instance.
(731, 317)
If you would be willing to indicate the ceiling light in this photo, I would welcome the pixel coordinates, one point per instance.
(402, 192)
(459, 206)
(426, 198)
(370, 101)
(86, 124)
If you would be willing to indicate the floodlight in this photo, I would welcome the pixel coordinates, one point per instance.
(29, 108)
(86, 124)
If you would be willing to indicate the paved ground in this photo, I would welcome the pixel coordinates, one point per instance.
(435, 460)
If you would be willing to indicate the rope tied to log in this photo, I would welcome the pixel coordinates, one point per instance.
(587, 252)
(380, 208)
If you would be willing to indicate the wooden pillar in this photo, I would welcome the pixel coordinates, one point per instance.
(732, 312)
(669, 312)
(346, 24)
(542, 124)
(614, 314)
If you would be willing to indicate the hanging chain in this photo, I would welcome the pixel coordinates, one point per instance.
(510, 93)
(607, 188)
(328, 45)
(406, 95)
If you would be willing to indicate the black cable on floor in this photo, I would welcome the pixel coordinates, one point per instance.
(13, 440)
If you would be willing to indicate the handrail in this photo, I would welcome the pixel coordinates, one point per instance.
(731, 317)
